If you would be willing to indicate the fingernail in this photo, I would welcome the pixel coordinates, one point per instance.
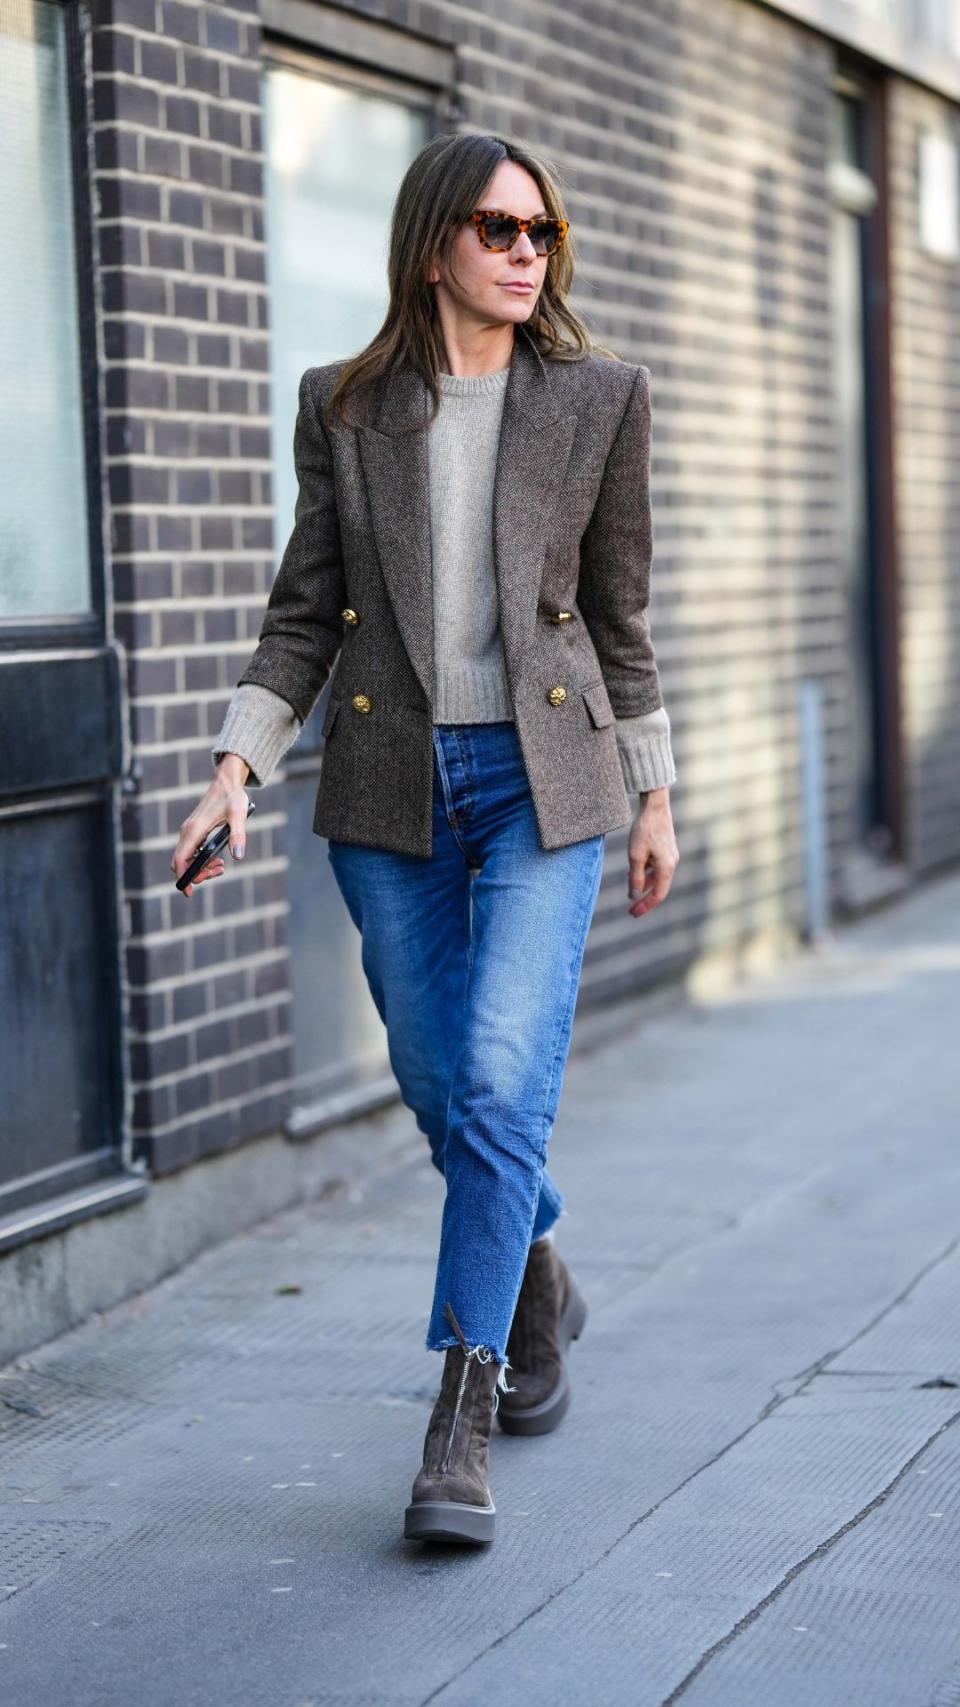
(238, 851)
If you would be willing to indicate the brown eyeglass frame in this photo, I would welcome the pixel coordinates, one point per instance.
(480, 216)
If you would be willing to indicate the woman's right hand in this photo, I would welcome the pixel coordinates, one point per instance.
(225, 802)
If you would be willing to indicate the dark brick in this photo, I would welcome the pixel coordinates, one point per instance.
(170, 346)
(160, 770)
(192, 486)
(222, 31)
(181, 114)
(208, 257)
(253, 355)
(244, 175)
(179, 628)
(249, 264)
(180, 722)
(214, 349)
(140, 14)
(251, 936)
(214, 440)
(159, 62)
(149, 1010)
(152, 1106)
(172, 437)
(164, 157)
(145, 581)
(203, 73)
(198, 580)
(216, 533)
(213, 1039)
(252, 1028)
(134, 198)
(256, 533)
(190, 301)
(226, 217)
(192, 393)
(128, 101)
(200, 673)
(229, 989)
(226, 126)
(116, 149)
(233, 308)
(155, 962)
(243, 84)
(210, 949)
(150, 676)
(195, 1092)
(180, 22)
(187, 207)
(190, 1001)
(114, 50)
(124, 340)
(138, 483)
(235, 486)
(157, 1057)
(129, 533)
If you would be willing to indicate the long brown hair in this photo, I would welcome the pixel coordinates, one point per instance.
(439, 190)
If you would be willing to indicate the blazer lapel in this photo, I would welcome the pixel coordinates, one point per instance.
(532, 453)
(396, 472)
(532, 456)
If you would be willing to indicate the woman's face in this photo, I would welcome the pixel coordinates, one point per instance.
(488, 282)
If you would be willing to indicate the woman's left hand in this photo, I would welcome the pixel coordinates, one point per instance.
(652, 853)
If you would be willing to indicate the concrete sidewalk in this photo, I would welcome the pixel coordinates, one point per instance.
(755, 1497)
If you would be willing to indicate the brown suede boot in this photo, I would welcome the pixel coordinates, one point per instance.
(451, 1499)
(551, 1311)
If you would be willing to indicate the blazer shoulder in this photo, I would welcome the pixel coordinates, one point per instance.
(319, 382)
(605, 380)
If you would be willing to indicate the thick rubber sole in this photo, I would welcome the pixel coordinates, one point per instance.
(545, 1417)
(448, 1520)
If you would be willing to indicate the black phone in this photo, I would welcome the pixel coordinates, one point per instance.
(217, 839)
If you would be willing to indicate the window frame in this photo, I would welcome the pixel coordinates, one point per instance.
(85, 628)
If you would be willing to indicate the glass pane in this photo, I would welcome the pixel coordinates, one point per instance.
(335, 157)
(44, 561)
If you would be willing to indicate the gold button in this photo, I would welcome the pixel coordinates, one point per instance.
(362, 703)
(561, 616)
(349, 615)
(557, 695)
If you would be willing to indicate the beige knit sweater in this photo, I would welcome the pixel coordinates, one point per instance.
(470, 678)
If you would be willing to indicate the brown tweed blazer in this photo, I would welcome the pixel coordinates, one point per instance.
(572, 532)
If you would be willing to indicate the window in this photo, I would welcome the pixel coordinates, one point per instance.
(335, 156)
(44, 542)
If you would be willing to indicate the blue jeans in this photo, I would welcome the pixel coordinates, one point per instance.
(473, 960)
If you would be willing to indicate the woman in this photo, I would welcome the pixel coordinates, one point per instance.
(471, 550)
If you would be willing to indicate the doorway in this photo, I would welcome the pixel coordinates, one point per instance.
(873, 856)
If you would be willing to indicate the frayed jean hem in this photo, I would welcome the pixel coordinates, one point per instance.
(490, 1351)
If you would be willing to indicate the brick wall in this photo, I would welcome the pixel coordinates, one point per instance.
(185, 316)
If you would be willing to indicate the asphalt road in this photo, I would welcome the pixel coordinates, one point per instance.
(754, 1499)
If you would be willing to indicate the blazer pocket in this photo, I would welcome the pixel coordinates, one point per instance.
(598, 704)
(330, 716)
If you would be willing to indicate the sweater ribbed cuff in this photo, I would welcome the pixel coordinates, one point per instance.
(646, 755)
(259, 726)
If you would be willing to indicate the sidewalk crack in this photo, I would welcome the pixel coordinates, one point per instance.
(818, 1552)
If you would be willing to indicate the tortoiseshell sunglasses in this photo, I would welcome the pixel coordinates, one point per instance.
(499, 230)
